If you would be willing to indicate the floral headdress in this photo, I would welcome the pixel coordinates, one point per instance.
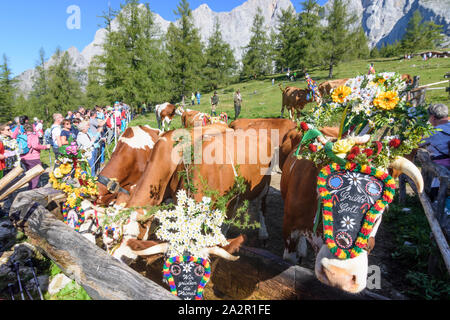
(377, 123)
(190, 227)
(377, 126)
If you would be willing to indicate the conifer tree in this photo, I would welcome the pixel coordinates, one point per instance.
(286, 40)
(360, 44)
(39, 96)
(307, 52)
(420, 35)
(337, 36)
(132, 68)
(64, 90)
(96, 93)
(256, 59)
(7, 91)
(220, 61)
(185, 53)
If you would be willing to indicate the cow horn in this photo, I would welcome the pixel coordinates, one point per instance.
(407, 167)
(220, 252)
(159, 248)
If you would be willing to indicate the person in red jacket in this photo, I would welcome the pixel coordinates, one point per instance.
(33, 157)
(2, 159)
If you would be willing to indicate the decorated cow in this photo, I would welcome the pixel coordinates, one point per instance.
(165, 113)
(336, 188)
(188, 234)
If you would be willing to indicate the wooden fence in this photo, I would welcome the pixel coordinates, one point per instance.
(435, 212)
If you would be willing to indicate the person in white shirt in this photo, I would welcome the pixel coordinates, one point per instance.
(56, 133)
(86, 143)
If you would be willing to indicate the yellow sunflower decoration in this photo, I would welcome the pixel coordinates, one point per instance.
(386, 100)
(65, 168)
(341, 93)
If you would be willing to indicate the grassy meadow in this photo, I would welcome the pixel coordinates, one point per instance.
(261, 99)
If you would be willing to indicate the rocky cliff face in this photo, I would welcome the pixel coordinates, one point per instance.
(384, 21)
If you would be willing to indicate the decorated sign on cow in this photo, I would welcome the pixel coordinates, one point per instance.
(190, 228)
(377, 128)
(352, 198)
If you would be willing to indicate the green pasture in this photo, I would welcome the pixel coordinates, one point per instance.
(261, 99)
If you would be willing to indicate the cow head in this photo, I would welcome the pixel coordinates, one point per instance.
(351, 274)
(179, 110)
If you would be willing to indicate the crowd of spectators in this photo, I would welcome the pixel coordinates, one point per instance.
(22, 141)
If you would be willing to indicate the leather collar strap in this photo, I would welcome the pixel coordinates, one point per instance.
(111, 185)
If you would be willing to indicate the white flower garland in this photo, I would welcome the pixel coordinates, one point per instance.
(191, 227)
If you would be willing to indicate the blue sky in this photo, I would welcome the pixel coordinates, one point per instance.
(26, 26)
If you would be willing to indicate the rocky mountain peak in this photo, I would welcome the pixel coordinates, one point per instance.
(384, 21)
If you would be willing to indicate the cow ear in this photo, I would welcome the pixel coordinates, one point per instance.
(235, 244)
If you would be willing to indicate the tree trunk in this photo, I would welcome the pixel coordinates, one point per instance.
(102, 276)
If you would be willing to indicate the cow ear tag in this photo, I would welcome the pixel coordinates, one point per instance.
(352, 198)
(187, 276)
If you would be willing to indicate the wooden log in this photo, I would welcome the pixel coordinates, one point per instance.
(261, 275)
(14, 173)
(29, 175)
(102, 276)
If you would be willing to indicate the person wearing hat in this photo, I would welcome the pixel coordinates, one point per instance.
(214, 104)
(437, 144)
(237, 104)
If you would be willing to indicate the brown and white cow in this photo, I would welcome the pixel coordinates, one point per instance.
(127, 163)
(299, 192)
(191, 118)
(221, 150)
(165, 113)
(326, 87)
(295, 99)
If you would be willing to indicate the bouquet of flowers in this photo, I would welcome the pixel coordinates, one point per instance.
(377, 124)
(11, 152)
(72, 175)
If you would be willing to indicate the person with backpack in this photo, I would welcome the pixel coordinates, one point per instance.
(17, 128)
(31, 155)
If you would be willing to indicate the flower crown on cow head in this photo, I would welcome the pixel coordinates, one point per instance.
(377, 123)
